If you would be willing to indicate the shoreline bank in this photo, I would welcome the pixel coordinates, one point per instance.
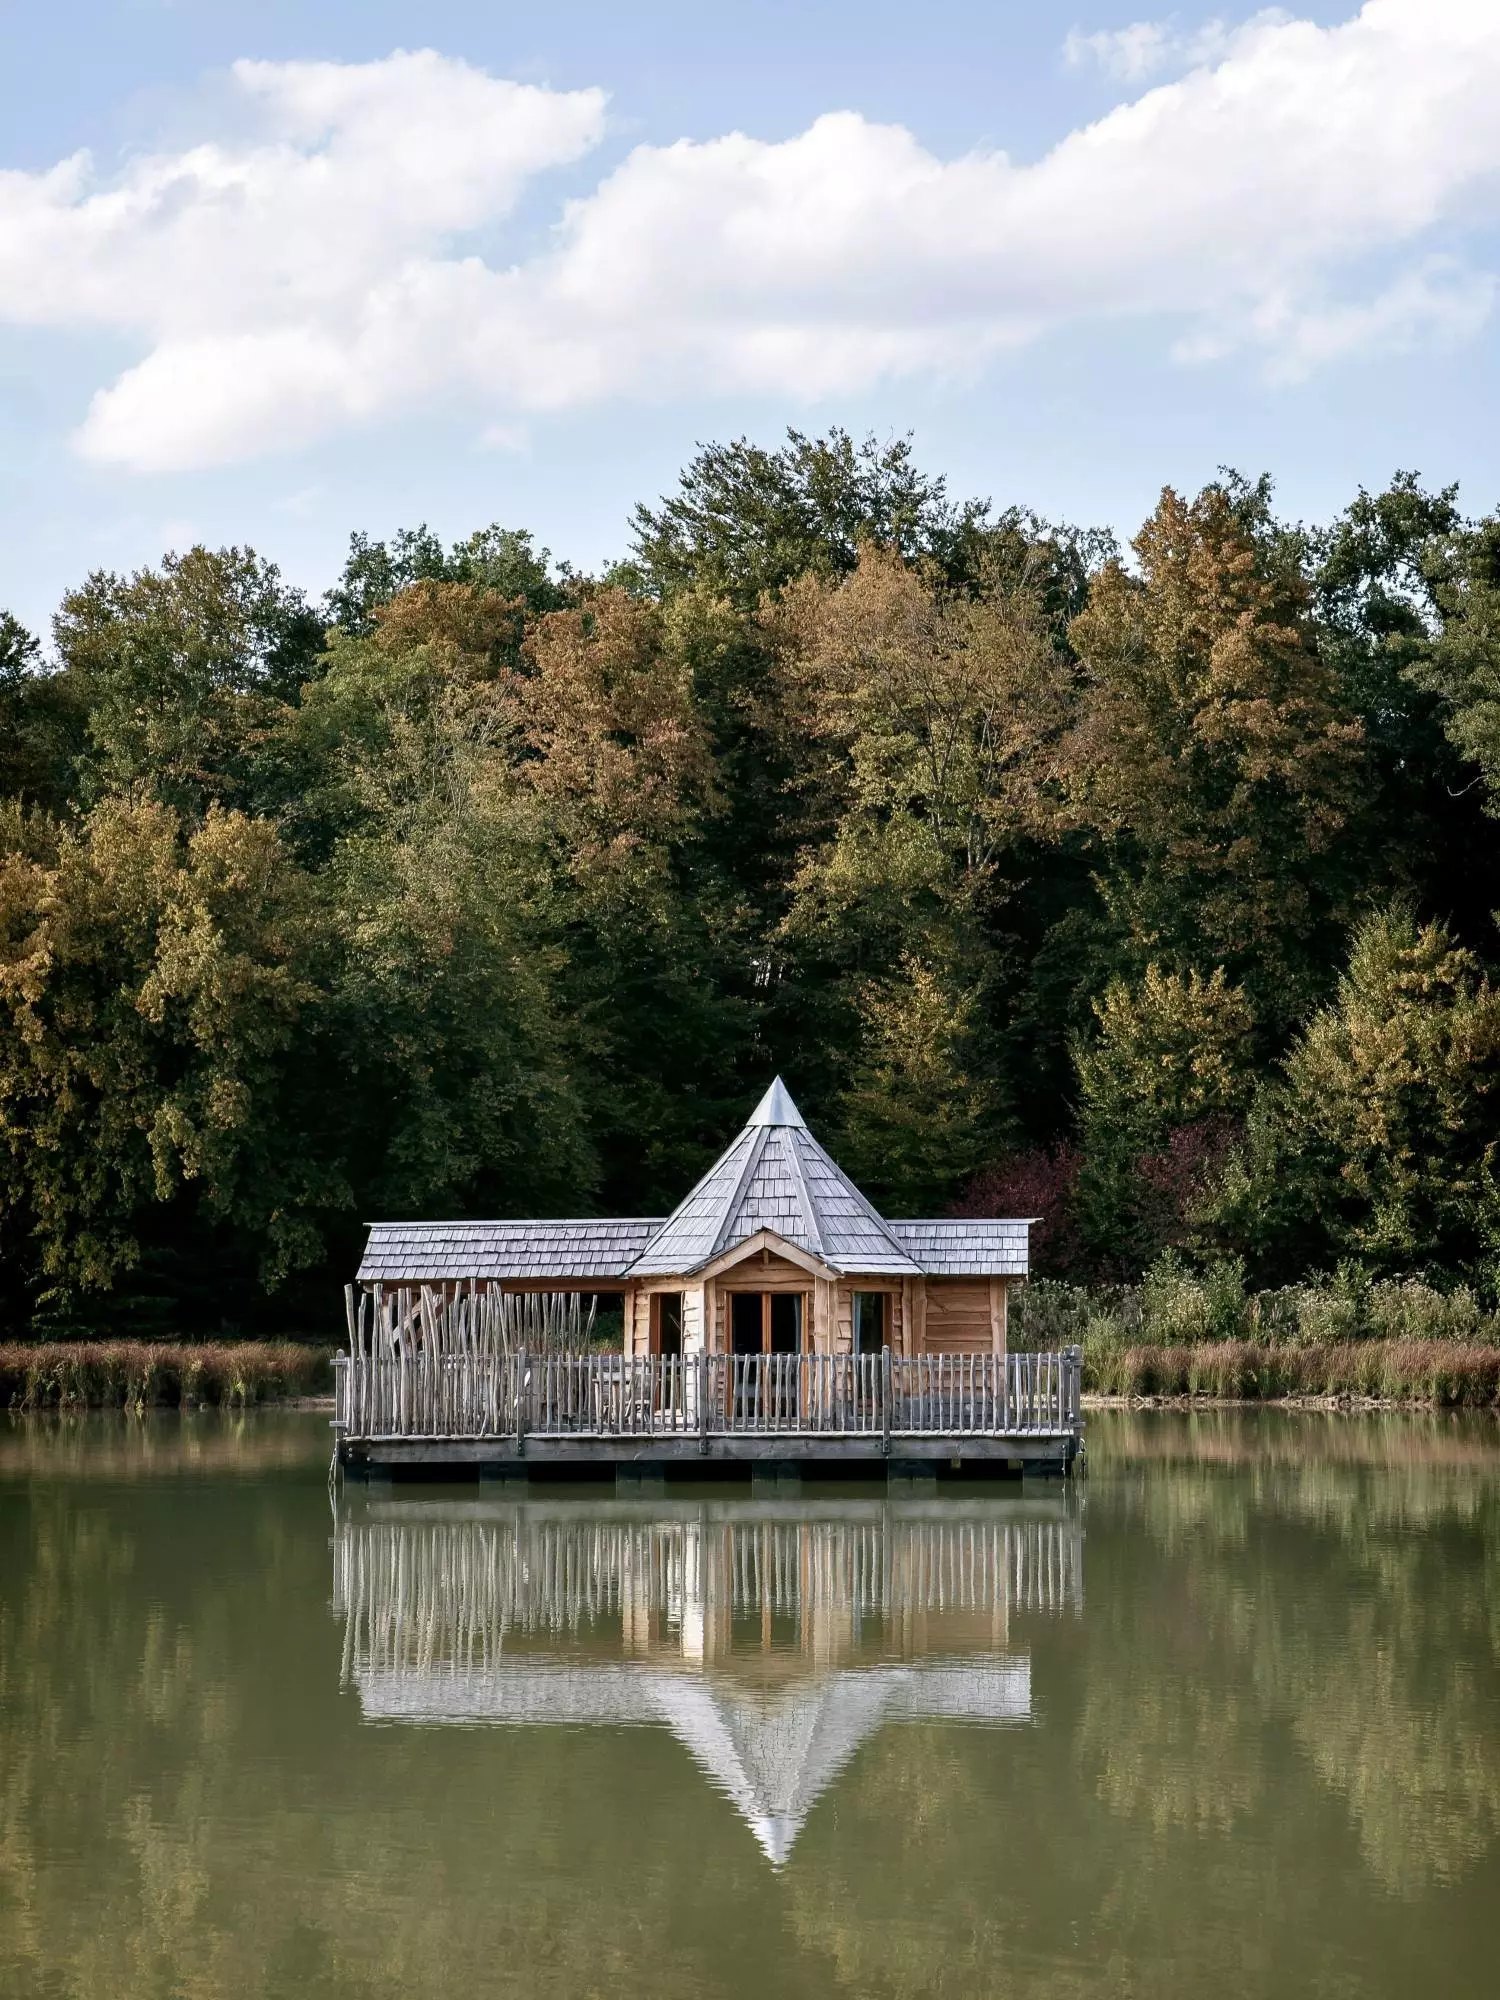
(140, 1375)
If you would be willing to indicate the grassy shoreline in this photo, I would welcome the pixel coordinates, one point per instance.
(1201, 1336)
(138, 1374)
(1445, 1373)
(1125, 1361)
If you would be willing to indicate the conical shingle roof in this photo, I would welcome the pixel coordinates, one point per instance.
(775, 1176)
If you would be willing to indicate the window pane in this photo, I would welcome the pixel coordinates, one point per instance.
(669, 1322)
(869, 1322)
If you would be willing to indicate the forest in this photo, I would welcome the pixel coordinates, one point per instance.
(1148, 890)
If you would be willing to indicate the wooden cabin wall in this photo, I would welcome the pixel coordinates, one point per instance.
(638, 1314)
(927, 1315)
(964, 1316)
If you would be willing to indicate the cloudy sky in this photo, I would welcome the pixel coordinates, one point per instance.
(272, 272)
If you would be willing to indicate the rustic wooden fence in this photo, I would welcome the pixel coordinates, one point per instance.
(429, 1389)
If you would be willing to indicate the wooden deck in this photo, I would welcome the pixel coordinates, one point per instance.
(420, 1409)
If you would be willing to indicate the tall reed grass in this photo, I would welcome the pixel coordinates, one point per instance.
(135, 1374)
(1183, 1332)
(1451, 1373)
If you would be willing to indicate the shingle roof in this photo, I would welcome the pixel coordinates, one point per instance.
(775, 1176)
(968, 1249)
(414, 1252)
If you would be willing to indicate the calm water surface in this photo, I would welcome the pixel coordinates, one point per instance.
(1226, 1720)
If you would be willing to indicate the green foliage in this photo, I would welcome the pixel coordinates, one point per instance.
(1379, 1139)
(1161, 1086)
(1462, 667)
(916, 1113)
(1169, 1051)
(41, 722)
(745, 520)
(497, 888)
(504, 561)
(185, 672)
(155, 982)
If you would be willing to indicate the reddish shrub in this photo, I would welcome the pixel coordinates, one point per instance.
(1042, 1183)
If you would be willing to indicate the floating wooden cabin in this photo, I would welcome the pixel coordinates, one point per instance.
(774, 1313)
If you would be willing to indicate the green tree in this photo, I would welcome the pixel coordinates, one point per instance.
(1462, 667)
(1171, 1064)
(41, 721)
(503, 560)
(185, 672)
(1398, 599)
(1378, 1139)
(158, 984)
(918, 1114)
(745, 520)
(1172, 1050)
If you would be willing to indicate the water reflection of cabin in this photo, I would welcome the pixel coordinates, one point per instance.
(775, 1251)
(771, 1641)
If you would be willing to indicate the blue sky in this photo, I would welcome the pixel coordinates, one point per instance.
(263, 279)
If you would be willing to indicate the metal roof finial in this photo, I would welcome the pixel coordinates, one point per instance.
(776, 1108)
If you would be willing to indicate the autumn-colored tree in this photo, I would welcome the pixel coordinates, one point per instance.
(622, 765)
(621, 756)
(1213, 759)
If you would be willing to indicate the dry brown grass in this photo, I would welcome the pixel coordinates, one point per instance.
(1449, 1373)
(137, 1374)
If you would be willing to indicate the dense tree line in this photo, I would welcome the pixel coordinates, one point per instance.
(1149, 891)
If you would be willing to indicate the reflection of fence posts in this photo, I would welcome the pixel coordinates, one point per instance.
(433, 1595)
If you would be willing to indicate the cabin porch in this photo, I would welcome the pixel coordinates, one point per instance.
(426, 1384)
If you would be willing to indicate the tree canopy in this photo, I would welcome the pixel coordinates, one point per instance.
(1157, 884)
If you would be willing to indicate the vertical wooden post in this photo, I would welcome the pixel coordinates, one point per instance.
(885, 1399)
(520, 1402)
(704, 1365)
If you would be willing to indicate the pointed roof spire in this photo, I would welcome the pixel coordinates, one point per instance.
(777, 1108)
(775, 1177)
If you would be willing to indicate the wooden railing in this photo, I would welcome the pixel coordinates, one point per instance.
(424, 1393)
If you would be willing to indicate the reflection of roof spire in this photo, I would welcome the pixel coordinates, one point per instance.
(776, 1108)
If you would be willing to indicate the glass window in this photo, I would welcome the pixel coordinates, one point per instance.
(669, 1323)
(870, 1330)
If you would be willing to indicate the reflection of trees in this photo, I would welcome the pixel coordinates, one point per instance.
(1347, 1596)
(1261, 1762)
(115, 1444)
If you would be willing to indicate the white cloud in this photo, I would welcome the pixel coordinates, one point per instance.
(1131, 53)
(1297, 195)
(1147, 48)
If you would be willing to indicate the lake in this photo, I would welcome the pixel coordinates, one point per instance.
(1222, 1718)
